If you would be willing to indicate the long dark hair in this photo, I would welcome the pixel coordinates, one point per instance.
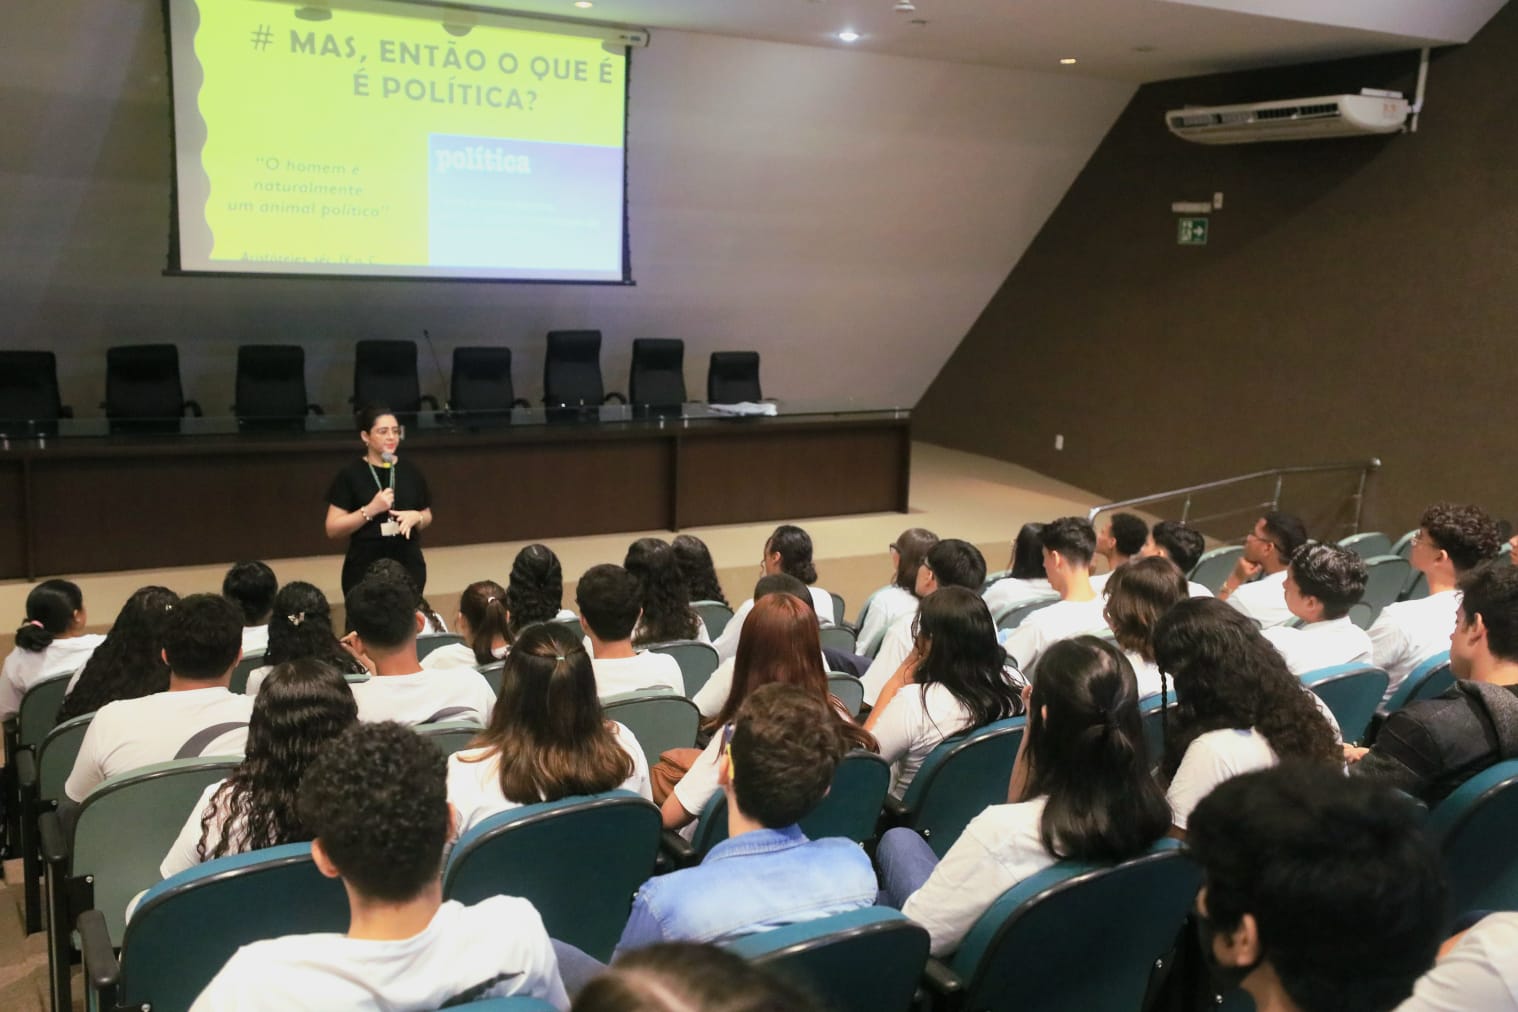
(483, 605)
(911, 547)
(50, 609)
(535, 588)
(667, 613)
(955, 628)
(1138, 593)
(1028, 554)
(1088, 756)
(548, 730)
(1229, 676)
(779, 643)
(129, 662)
(694, 561)
(300, 629)
(301, 707)
(794, 546)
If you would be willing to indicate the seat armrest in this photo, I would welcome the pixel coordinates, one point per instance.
(26, 772)
(608, 398)
(943, 983)
(428, 399)
(897, 810)
(193, 407)
(52, 841)
(678, 848)
(102, 971)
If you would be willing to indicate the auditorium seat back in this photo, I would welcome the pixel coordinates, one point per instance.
(659, 720)
(1352, 692)
(1475, 827)
(861, 961)
(958, 780)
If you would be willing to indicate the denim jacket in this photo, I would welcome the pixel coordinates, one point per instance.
(762, 879)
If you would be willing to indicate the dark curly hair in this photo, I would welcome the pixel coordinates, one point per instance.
(301, 629)
(1467, 533)
(377, 802)
(1229, 676)
(794, 546)
(667, 613)
(299, 710)
(1331, 573)
(694, 561)
(129, 662)
(535, 589)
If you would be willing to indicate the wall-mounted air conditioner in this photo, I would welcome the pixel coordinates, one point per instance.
(1298, 119)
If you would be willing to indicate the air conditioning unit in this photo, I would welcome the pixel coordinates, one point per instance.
(1296, 119)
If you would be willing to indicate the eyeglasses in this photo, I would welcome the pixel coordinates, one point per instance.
(892, 547)
(399, 432)
(1255, 537)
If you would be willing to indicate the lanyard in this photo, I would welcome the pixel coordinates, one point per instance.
(375, 475)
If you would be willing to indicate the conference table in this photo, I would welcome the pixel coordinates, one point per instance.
(93, 495)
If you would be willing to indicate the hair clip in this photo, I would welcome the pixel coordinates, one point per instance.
(296, 619)
(559, 658)
(39, 625)
(491, 599)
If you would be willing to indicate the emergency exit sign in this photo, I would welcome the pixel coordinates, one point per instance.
(1191, 232)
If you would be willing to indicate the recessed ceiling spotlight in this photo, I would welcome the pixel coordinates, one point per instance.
(905, 7)
(582, 4)
(1068, 60)
(848, 35)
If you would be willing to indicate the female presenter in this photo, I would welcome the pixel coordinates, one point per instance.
(379, 504)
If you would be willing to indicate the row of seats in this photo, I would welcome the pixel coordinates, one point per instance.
(144, 390)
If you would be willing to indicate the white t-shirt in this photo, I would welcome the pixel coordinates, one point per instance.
(998, 849)
(1479, 973)
(886, 605)
(1146, 673)
(474, 788)
(184, 853)
(256, 680)
(1264, 600)
(418, 698)
(894, 649)
(1210, 759)
(1010, 592)
(727, 643)
(1408, 633)
(701, 782)
(255, 638)
(710, 697)
(646, 670)
(25, 668)
(914, 723)
(1061, 620)
(1200, 590)
(131, 733)
(459, 655)
(496, 948)
(1323, 644)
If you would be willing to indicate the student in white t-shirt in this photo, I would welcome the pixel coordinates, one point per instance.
(548, 738)
(301, 629)
(948, 563)
(1322, 583)
(535, 589)
(197, 716)
(953, 684)
(1240, 709)
(712, 696)
(1118, 540)
(304, 705)
(406, 949)
(1451, 541)
(667, 614)
(1182, 545)
(1478, 971)
(129, 662)
(787, 550)
(1081, 789)
(693, 560)
(385, 626)
(1068, 544)
(252, 586)
(898, 597)
(484, 622)
(50, 643)
(1257, 585)
(1026, 580)
(1136, 596)
(607, 597)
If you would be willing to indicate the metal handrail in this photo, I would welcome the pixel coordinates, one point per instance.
(1365, 467)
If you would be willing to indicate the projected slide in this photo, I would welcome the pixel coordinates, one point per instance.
(385, 139)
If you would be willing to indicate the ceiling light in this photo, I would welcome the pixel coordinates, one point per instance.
(1068, 60)
(848, 36)
(582, 4)
(904, 7)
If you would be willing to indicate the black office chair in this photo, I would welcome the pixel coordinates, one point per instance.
(481, 385)
(29, 401)
(657, 380)
(733, 377)
(572, 371)
(142, 389)
(271, 387)
(384, 372)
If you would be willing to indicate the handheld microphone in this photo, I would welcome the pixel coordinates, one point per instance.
(388, 457)
(438, 365)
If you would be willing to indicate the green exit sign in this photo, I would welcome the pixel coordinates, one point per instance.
(1191, 232)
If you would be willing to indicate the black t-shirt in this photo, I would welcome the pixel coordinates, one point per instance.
(354, 486)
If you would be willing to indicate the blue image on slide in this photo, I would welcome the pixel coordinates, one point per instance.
(530, 207)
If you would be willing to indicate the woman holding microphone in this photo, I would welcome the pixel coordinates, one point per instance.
(379, 505)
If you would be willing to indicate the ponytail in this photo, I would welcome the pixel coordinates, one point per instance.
(50, 609)
(483, 605)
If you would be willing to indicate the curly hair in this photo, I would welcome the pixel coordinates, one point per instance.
(794, 546)
(1467, 533)
(129, 663)
(694, 561)
(1229, 676)
(1333, 574)
(1138, 593)
(301, 629)
(376, 800)
(299, 710)
(667, 613)
(535, 588)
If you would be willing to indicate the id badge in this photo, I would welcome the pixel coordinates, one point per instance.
(390, 528)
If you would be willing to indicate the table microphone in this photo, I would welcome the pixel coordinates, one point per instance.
(438, 365)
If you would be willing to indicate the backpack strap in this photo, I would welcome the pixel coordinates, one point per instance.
(448, 713)
(200, 739)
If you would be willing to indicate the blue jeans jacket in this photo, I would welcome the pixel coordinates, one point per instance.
(763, 879)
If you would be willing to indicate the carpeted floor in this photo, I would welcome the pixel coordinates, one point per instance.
(23, 958)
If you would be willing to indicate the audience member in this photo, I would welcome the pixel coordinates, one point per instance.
(129, 662)
(1267, 552)
(535, 589)
(952, 683)
(949, 563)
(1450, 542)
(196, 715)
(385, 626)
(1067, 546)
(548, 738)
(1319, 893)
(405, 949)
(1182, 545)
(50, 643)
(252, 586)
(787, 550)
(896, 598)
(1081, 790)
(390, 569)
(304, 705)
(667, 614)
(1137, 595)
(1430, 747)
(607, 597)
(299, 630)
(694, 561)
(1323, 582)
(709, 699)
(685, 977)
(1238, 708)
(484, 622)
(1480, 971)
(1120, 539)
(1026, 580)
